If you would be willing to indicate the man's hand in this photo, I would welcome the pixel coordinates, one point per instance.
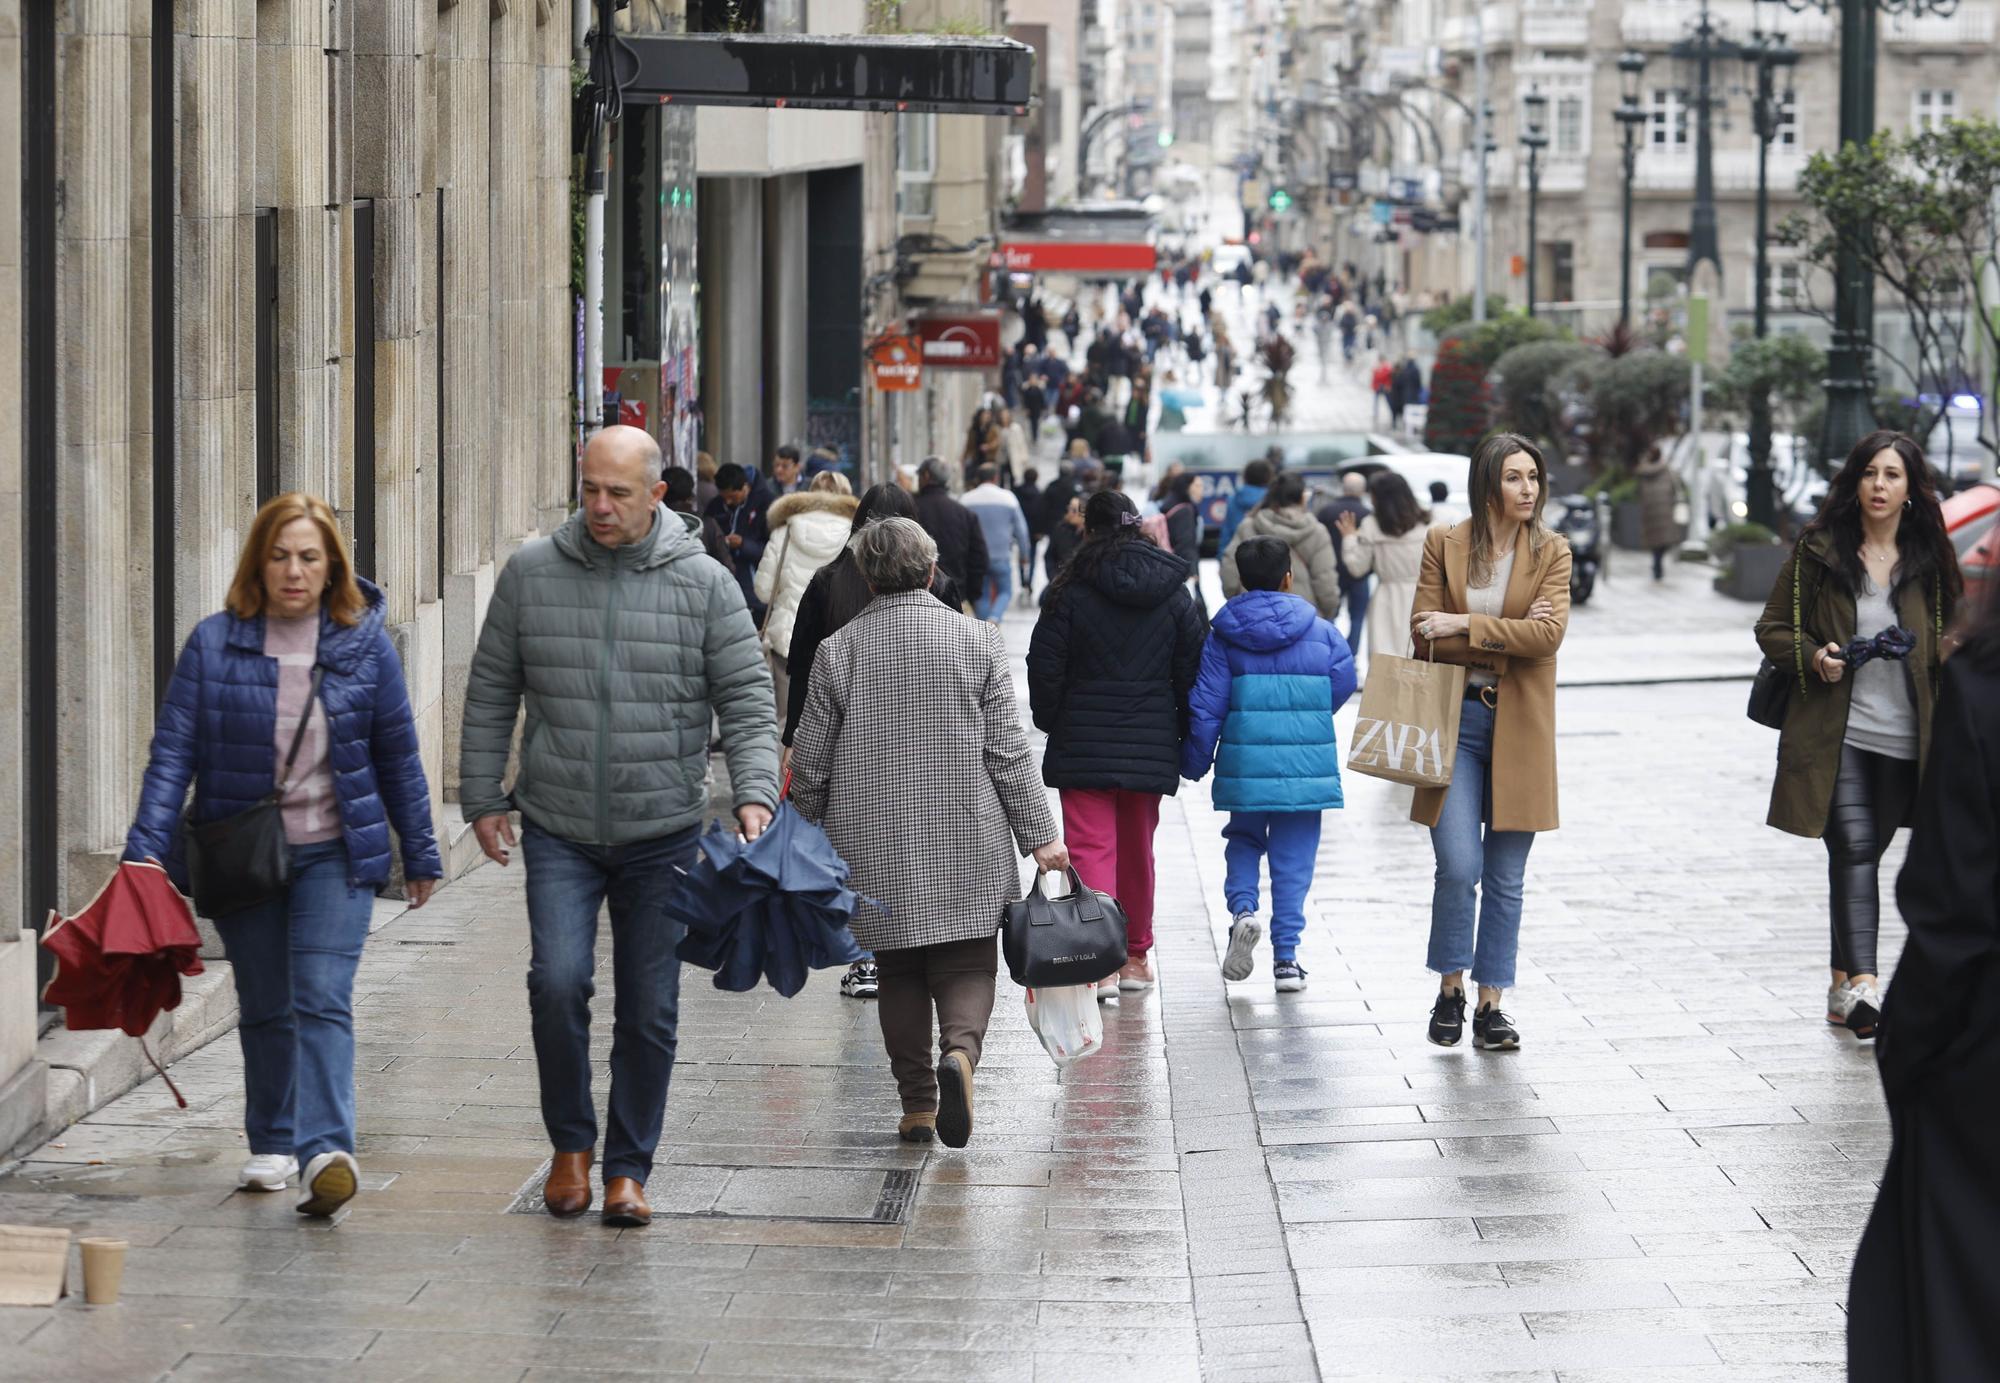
(752, 819)
(1346, 523)
(1053, 856)
(733, 539)
(417, 892)
(492, 831)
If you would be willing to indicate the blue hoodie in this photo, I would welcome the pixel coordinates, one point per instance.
(1242, 500)
(1272, 676)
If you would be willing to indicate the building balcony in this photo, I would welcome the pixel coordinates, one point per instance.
(1559, 25)
(1495, 28)
(1656, 23)
(1968, 26)
(1735, 171)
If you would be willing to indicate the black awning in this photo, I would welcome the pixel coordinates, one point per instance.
(914, 72)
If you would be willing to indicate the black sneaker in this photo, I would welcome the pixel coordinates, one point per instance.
(1494, 1031)
(861, 981)
(1289, 975)
(1448, 1018)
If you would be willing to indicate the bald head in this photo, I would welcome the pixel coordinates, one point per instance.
(1354, 484)
(629, 446)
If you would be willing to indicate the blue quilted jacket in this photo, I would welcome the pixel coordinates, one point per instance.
(1272, 676)
(218, 727)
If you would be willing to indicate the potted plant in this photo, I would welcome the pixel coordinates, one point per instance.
(1751, 558)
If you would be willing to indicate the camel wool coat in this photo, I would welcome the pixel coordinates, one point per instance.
(1521, 652)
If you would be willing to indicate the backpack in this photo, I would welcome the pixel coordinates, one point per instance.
(1154, 526)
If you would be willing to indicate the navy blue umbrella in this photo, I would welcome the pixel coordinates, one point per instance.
(770, 908)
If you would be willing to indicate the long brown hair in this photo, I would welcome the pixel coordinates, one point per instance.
(342, 598)
(1489, 460)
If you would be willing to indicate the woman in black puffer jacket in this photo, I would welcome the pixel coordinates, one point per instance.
(1114, 654)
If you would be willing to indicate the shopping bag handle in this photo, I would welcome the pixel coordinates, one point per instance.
(1087, 906)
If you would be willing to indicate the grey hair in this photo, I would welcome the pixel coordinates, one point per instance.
(894, 555)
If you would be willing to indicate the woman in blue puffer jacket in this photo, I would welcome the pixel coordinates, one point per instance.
(297, 621)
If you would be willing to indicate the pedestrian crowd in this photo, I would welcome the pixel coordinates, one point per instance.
(821, 641)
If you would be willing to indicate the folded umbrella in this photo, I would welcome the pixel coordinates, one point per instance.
(771, 908)
(1894, 642)
(119, 961)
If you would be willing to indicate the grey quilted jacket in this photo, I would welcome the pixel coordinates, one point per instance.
(621, 654)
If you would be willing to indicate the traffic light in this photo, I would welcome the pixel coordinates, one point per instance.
(1280, 199)
(1166, 138)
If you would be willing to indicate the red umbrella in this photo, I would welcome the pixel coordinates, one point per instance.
(119, 961)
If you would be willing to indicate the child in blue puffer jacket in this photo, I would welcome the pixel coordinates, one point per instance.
(1272, 676)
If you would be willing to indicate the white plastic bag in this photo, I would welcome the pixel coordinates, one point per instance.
(1067, 1020)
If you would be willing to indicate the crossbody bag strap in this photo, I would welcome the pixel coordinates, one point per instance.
(1798, 646)
(778, 577)
(299, 734)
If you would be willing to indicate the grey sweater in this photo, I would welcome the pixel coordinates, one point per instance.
(621, 655)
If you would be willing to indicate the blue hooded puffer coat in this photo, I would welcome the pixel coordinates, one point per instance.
(218, 728)
(1272, 676)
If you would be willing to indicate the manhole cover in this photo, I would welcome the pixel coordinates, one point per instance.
(826, 1194)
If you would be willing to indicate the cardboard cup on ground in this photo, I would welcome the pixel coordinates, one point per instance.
(103, 1270)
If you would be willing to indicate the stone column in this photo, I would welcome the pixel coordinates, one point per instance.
(732, 318)
(785, 236)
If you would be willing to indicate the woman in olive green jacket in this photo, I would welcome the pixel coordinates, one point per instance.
(1874, 567)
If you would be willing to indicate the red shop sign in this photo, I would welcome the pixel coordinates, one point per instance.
(966, 341)
(897, 362)
(1078, 257)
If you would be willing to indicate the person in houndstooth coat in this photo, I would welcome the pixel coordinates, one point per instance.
(912, 756)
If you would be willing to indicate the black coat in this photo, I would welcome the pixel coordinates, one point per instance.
(1921, 1300)
(1064, 539)
(814, 624)
(960, 543)
(1109, 669)
(1329, 517)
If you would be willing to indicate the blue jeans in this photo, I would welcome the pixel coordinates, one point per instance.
(1358, 594)
(997, 591)
(1291, 841)
(567, 884)
(1473, 856)
(293, 960)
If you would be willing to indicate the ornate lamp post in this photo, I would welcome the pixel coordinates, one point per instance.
(1848, 412)
(1631, 118)
(1534, 138)
(1766, 52)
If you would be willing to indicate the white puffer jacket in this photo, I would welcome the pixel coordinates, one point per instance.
(808, 530)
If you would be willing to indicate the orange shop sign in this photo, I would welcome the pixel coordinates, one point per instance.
(897, 363)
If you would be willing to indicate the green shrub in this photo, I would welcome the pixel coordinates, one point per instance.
(1729, 537)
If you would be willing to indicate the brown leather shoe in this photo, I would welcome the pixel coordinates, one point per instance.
(954, 1111)
(919, 1127)
(625, 1204)
(567, 1191)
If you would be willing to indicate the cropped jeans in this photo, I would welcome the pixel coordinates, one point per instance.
(293, 961)
(1479, 870)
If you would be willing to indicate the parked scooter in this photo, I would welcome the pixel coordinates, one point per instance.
(1583, 522)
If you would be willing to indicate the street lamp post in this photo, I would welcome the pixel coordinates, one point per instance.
(1849, 415)
(1631, 118)
(1534, 138)
(1767, 52)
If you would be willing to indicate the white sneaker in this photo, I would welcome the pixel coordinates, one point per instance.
(1864, 1008)
(1244, 934)
(1107, 990)
(331, 1180)
(268, 1172)
(1836, 1004)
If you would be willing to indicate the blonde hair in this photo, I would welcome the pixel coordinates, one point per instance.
(1489, 460)
(831, 483)
(342, 598)
(704, 466)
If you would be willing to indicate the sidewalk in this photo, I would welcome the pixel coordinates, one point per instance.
(1664, 1184)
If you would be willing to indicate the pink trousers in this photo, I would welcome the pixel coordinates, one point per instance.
(1110, 838)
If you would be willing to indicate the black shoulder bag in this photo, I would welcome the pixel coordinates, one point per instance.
(238, 861)
(1059, 941)
(1771, 690)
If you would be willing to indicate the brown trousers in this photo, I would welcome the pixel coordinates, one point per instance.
(957, 978)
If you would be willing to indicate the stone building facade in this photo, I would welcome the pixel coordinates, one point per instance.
(264, 246)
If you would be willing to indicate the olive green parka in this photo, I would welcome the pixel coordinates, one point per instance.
(1816, 718)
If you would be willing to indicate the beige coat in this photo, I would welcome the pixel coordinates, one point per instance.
(1395, 563)
(1315, 570)
(1521, 652)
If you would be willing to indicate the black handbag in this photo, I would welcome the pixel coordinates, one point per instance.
(241, 860)
(1771, 688)
(1061, 941)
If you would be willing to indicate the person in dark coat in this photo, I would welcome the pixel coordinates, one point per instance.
(1181, 507)
(1065, 537)
(680, 499)
(960, 544)
(297, 665)
(1920, 1305)
(1658, 533)
(1029, 493)
(738, 510)
(1116, 648)
(1354, 591)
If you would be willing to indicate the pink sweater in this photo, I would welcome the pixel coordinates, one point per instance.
(310, 811)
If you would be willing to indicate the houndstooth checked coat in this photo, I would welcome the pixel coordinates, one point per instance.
(912, 756)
